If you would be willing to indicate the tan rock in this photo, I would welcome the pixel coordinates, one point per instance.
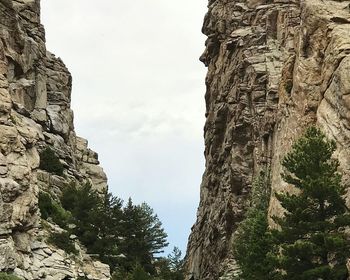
(35, 89)
(97, 175)
(273, 69)
(5, 101)
(8, 254)
(9, 189)
(41, 93)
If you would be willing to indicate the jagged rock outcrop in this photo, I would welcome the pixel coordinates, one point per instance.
(274, 67)
(35, 91)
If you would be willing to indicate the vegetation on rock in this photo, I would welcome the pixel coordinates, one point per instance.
(62, 240)
(49, 208)
(6, 276)
(50, 162)
(128, 238)
(252, 242)
(309, 242)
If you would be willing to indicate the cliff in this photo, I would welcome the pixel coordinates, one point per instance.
(274, 68)
(35, 113)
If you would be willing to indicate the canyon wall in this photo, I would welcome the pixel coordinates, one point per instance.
(274, 68)
(35, 113)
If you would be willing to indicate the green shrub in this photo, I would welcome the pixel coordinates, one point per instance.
(62, 240)
(6, 276)
(288, 86)
(119, 274)
(50, 162)
(45, 205)
(50, 208)
(137, 273)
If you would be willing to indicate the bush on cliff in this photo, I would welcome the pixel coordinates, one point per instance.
(50, 162)
(6, 276)
(52, 209)
(98, 220)
(62, 240)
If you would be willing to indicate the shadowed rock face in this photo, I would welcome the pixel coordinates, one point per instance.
(274, 67)
(35, 92)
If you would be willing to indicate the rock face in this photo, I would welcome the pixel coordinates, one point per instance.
(274, 68)
(35, 92)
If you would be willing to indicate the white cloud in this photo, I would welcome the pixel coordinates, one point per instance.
(138, 95)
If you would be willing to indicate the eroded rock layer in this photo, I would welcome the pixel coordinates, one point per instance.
(35, 113)
(274, 67)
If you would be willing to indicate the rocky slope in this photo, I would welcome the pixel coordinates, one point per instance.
(274, 67)
(35, 92)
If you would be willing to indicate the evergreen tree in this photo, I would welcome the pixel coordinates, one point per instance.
(124, 238)
(108, 223)
(84, 205)
(310, 243)
(176, 264)
(143, 236)
(139, 273)
(252, 242)
(97, 219)
(163, 269)
(153, 231)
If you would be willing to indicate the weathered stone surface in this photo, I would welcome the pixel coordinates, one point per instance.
(274, 67)
(98, 177)
(35, 93)
(8, 254)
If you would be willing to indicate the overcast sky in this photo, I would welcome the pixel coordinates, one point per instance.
(138, 96)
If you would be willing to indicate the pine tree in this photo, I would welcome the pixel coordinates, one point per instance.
(139, 273)
(108, 216)
(83, 203)
(98, 220)
(252, 241)
(143, 236)
(310, 243)
(176, 264)
(152, 228)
